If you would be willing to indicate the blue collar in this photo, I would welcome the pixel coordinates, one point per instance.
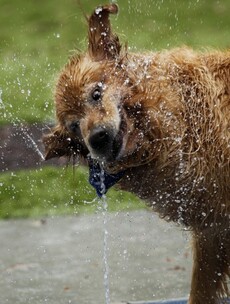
(100, 179)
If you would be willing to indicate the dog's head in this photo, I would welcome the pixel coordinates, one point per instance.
(97, 103)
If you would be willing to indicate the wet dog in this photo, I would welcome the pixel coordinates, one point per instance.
(160, 125)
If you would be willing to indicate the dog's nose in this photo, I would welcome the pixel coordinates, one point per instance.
(101, 140)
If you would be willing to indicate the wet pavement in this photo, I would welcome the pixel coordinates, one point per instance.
(60, 260)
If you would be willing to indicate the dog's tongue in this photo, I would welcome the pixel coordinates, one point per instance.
(101, 180)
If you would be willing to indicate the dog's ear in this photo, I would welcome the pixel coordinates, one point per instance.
(56, 144)
(103, 44)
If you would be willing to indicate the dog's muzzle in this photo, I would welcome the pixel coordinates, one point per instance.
(104, 143)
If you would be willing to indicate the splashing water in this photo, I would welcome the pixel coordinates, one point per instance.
(16, 122)
(33, 144)
(104, 205)
(2, 106)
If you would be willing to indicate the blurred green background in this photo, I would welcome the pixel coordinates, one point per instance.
(36, 39)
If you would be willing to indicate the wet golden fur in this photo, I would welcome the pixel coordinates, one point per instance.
(169, 112)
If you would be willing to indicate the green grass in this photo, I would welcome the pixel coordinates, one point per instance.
(54, 191)
(36, 38)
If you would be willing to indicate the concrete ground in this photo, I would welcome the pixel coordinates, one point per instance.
(60, 260)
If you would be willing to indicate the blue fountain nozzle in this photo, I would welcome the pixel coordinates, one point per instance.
(100, 179)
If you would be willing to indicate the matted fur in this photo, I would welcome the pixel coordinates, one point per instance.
(166, 120)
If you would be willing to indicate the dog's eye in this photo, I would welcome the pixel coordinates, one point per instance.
(96, 94)
(74, 126)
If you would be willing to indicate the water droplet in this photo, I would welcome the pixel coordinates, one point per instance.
(2, 106)
(98, 10)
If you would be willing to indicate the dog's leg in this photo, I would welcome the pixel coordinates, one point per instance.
(211, 266)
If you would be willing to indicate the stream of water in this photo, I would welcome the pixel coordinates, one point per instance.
(104, 205)
(30, 142)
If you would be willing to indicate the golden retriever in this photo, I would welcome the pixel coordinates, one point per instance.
(159, 125)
